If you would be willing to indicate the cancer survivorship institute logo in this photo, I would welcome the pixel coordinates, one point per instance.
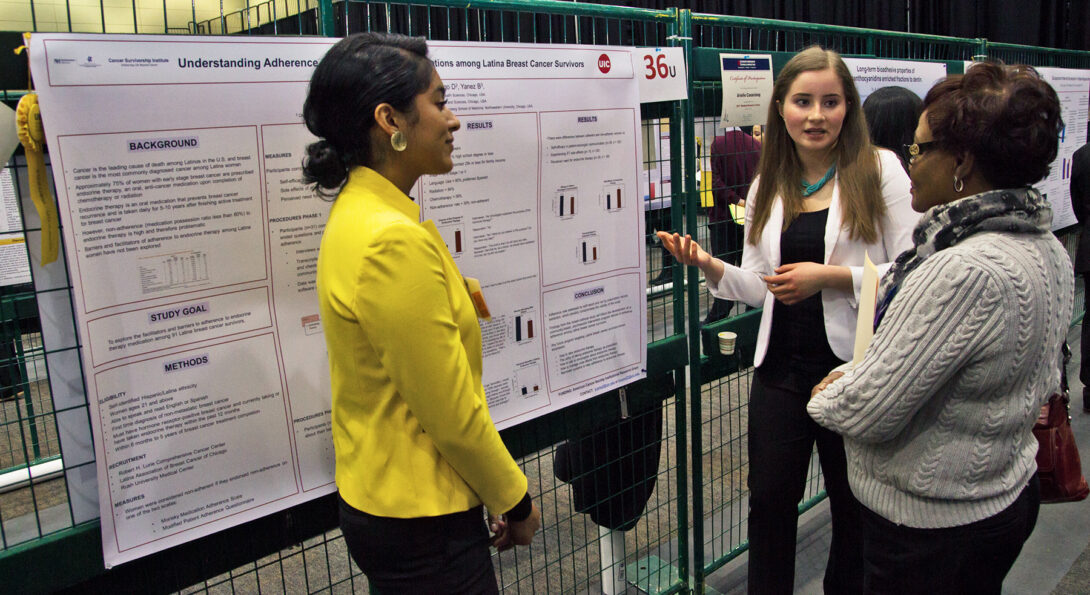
(90, 63)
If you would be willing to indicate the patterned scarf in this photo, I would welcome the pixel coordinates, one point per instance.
(1013, 210)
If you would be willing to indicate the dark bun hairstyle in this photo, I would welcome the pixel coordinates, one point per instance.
(1006, 116)
(358, 74)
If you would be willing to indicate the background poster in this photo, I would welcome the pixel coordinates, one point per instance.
(747, 88)
(873, 74)
(1073, 88)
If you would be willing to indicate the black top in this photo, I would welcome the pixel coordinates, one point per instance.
(798, 349)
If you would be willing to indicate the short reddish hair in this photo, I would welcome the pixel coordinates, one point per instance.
(1006, 116)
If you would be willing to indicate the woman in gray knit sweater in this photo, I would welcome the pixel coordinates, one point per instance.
(937, 417)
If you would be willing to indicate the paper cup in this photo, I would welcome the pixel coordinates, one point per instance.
(726, 342)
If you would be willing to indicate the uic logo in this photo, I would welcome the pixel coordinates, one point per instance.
(604, 64)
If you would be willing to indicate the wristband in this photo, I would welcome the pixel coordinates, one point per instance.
(521, 511)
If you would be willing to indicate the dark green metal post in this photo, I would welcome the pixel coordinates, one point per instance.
(692, 204)
(682, 113)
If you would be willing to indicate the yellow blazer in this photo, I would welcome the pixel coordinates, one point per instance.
(411, 429)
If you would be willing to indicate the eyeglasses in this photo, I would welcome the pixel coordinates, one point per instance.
(916, 149)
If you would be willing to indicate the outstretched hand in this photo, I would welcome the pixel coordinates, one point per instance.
(688, 252)
(684, 249)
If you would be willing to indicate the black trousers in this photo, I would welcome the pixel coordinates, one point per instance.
(781, 438)
(969, 559)
(1084, 363)
(443, 554)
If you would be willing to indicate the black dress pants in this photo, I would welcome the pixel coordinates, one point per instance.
(966, 560)
(426, 555)
(781, 439)
(1084, 363)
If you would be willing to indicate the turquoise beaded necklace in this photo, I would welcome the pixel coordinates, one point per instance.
(808, 189)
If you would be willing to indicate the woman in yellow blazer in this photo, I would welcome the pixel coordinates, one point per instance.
(416, 450)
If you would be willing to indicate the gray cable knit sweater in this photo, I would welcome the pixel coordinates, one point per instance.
(937, 418)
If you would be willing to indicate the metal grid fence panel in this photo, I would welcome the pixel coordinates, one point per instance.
(761, 35)
(720, 397)
(1034, 56)
(569, 555)
(34, 500)
(301, 550)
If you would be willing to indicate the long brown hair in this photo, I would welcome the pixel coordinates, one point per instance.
(856, 159)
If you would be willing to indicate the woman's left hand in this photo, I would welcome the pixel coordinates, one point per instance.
(797, 281)
(497, 524)
(825, 382)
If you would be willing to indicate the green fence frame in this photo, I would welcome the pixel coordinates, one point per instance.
(692, 527)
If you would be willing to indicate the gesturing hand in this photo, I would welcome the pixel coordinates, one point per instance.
(684, 249)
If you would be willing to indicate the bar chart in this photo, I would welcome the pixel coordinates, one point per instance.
(524, 326)
(564, 203)
(587, 249)
(613, 197)
(454, 236)
(528, 381)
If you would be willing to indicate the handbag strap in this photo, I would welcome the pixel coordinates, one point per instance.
(1065, 356)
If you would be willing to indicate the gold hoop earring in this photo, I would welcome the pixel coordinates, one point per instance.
(959, 185)
(398, 142)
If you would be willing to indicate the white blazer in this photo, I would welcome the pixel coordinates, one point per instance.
(841, 307)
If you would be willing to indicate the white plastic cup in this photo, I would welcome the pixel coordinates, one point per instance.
(726, 342)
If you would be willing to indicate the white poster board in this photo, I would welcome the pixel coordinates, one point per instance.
(871, 74)
(192, 248)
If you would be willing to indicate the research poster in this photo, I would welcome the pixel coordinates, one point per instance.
(1073, 88)
(14, 265)
(872, 74)
(192, 247)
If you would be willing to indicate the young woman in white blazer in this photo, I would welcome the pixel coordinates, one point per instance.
(823, 197)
